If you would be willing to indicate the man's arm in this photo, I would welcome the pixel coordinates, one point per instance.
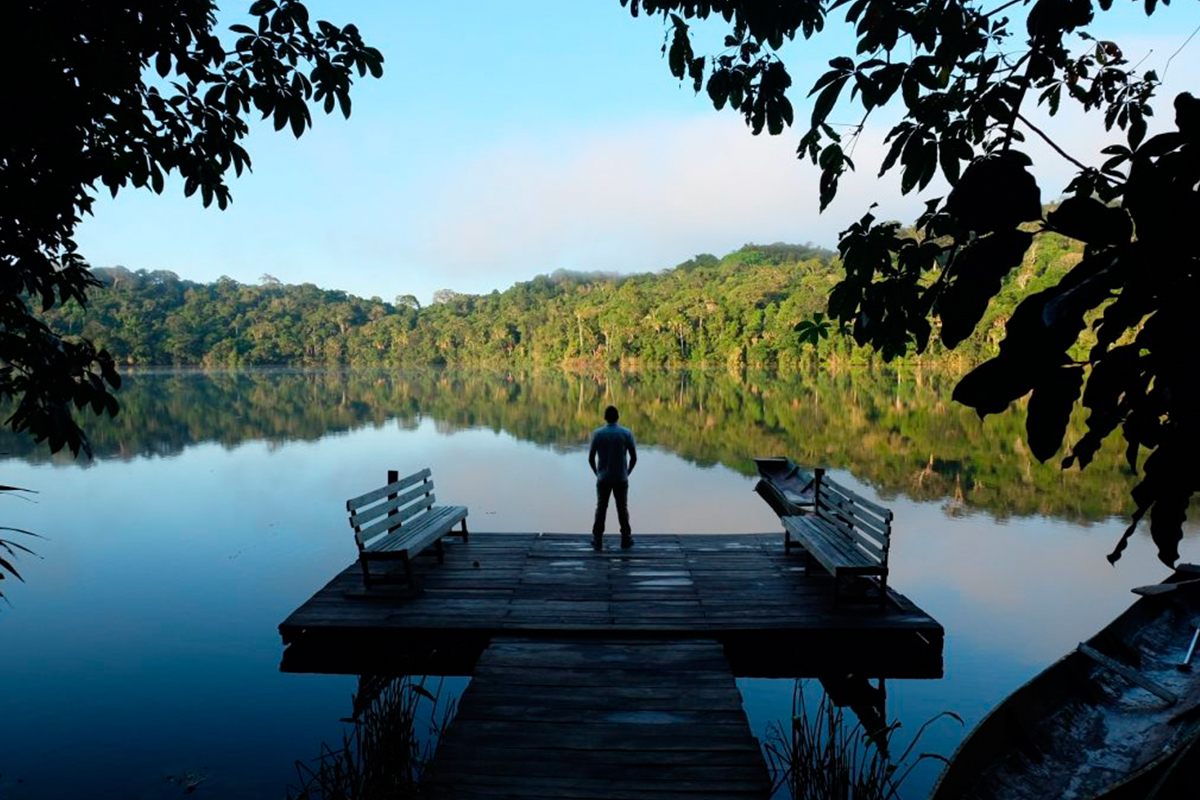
(592, 455)
(632, 447)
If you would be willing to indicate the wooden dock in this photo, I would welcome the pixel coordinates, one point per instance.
(609, 674)
(606, 719)
(742, 590)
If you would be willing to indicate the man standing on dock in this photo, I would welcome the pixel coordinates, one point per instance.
(610, 443)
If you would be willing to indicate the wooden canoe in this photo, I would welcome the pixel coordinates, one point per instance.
(1108, 720)
(786, 487)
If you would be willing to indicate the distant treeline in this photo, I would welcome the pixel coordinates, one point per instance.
(736, 311)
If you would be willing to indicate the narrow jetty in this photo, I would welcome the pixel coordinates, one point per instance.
(600, 718)
(611, 673)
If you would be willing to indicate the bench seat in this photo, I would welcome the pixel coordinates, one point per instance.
(412, 538)
(399, 520)
(831, 547)
(845, 533)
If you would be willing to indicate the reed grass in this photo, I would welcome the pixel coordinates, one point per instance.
(383, 752)
(11, 547)
(822, 755)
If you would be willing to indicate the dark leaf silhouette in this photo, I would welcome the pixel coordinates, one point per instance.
(1050, 409)
(1089, 220)
(994, 384)
(995, 193)
(978, 271)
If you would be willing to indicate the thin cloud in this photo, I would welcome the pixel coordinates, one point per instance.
(641, 197)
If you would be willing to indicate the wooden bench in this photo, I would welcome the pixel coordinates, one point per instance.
(397, 521)
(846, 533)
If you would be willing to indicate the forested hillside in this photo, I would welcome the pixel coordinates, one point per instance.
(736, 311)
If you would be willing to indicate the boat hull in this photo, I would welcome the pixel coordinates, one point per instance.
(786, 487)
(1083, 729)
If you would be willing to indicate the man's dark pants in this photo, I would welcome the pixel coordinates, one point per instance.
(619, 490)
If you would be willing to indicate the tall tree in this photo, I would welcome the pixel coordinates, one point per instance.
(408, 301)
(121, 94)
(965, 77)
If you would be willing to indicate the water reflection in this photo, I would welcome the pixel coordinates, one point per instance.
(398, 723)
(390, 739)
(898, 431)
(155, 605)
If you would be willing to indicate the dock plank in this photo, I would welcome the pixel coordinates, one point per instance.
(607, 674)
(671, 585)
(564, 718)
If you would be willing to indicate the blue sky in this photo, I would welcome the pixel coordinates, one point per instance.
(511, 139)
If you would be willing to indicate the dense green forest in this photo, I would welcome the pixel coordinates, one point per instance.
(737, 311)
(895, 429)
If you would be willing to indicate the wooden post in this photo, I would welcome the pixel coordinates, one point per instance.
(818, 477)
(887, 544)
(392, 477)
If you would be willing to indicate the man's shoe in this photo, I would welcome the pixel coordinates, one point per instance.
(626, 541)
(597, 542)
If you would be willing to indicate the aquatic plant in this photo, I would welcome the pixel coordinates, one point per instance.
(11, 547)
(822, 756)
(383, 751)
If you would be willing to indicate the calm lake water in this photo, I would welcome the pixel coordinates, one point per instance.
(144, 643)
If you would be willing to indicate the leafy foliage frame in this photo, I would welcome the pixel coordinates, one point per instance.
(963, 90)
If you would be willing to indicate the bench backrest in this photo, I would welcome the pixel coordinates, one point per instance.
(383, 510)
(868, 525)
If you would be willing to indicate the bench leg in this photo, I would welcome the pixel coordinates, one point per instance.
(787, 541)
(441, 551)
(408, 573)
(464, 529)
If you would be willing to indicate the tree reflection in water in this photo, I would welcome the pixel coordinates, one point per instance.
(897, 430)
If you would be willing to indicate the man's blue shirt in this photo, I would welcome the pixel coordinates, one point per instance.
(610, 444)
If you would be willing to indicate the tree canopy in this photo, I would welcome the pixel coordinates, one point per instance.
(964, 75)
(737, 311)
(118, 95)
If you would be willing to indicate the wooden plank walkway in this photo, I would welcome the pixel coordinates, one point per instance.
(608, 674)
(740, 589)
(614, 719)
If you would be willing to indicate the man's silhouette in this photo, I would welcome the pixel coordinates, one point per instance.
(610, 443)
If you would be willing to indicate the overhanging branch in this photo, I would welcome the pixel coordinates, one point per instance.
(1051, 142)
